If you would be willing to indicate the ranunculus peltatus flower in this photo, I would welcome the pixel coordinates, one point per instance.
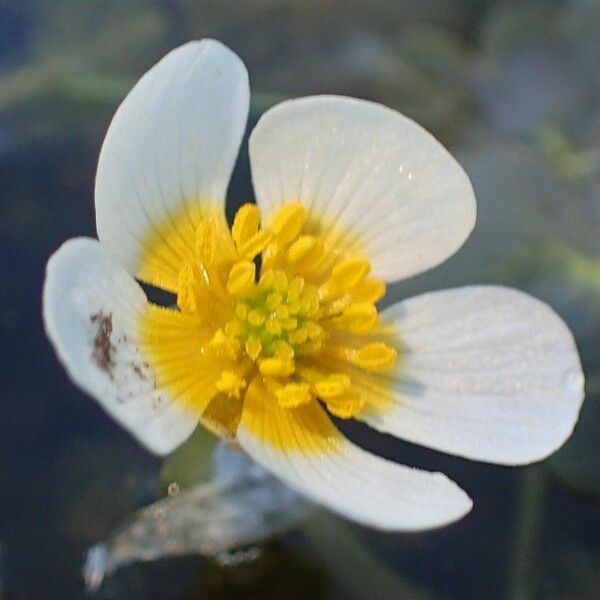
(276, 324)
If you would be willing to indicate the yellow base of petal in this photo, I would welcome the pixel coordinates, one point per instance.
(305, 429)
(174, 242)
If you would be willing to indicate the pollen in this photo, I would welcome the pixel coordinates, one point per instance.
(231, 383)
(305, 324)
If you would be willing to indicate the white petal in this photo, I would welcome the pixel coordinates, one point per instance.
(83, 290)
(358, 485)
(488, 373)
(173, 141)
(371, 171)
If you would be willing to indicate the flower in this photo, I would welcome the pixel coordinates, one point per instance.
(350, 195)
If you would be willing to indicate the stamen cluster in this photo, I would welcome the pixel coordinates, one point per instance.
(278, 320)
(298, 323)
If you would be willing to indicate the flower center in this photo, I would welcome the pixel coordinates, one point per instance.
(306, 325)
(278, 320)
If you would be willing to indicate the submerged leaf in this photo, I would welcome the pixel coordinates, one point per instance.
(242, 504)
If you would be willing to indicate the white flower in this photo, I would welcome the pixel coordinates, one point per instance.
(351, 195)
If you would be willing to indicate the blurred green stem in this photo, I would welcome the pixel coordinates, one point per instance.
(352, 566)
(527, 534)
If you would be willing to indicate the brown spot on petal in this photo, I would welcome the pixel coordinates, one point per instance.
(103, 348)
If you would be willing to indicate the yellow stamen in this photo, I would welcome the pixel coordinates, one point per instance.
(256, 244)
(345, 405)
(245, 224)
(253, 347)
(336, 306)
(276, 367)
(345, 275)
(283, 350)
(375, 357)
(332, 386)
(314, 331)
(357, 318)
(293, 395)
(241, 278)
(226, 346)
(306, 331)
(273, 300)
(273, 326)
(295, 288)
(288, 221)
(301, 249)
(256, 317)
(371, 291)
(280, 281)
(241, 310)
(272, 255)
(235, 328)
(231, 384)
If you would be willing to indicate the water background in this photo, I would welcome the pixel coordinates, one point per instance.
(511, 88)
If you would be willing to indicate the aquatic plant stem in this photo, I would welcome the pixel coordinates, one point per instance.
(352, 566)
(527, 535)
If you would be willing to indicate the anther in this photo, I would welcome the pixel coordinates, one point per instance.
(288, 222)
(276, 367)
(241, 278)
(293, 395)
(245, 224)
